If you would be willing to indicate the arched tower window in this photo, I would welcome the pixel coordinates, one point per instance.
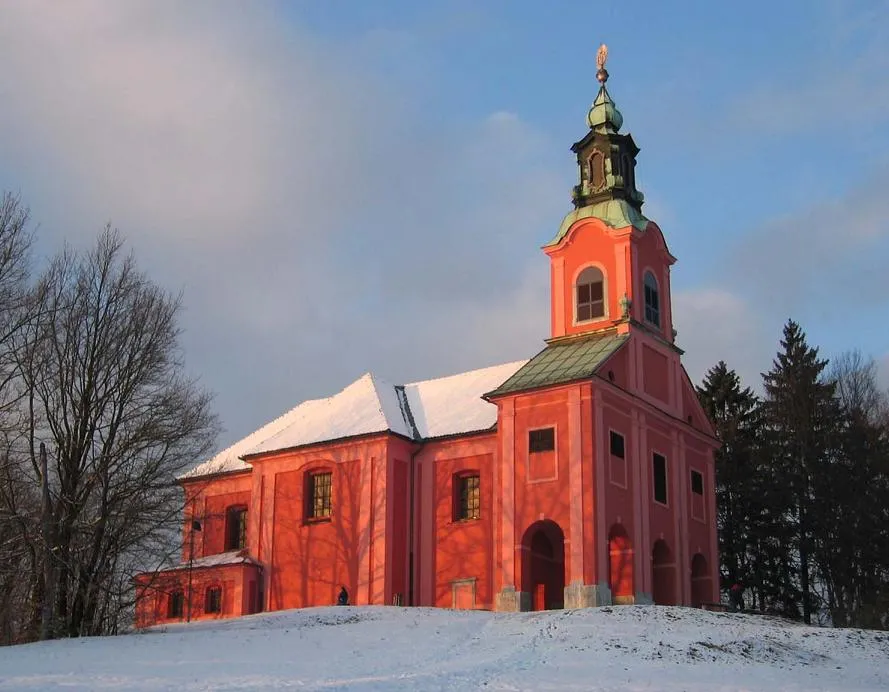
(590, 295)
(597, 170)
(629, 174)
(652, 300)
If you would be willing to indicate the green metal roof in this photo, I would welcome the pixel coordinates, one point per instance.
(617, 213)
(604, 116)
(561, 362)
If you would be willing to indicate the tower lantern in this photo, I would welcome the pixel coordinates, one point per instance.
(606, 159)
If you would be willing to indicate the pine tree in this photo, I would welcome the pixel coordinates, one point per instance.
(801, 417)
(734, 411)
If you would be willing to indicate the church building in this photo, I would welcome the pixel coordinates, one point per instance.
(583, 476)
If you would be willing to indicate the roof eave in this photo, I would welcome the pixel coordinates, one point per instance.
(249, 458)
(212, 475)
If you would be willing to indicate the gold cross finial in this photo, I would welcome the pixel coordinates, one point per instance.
(601, 57)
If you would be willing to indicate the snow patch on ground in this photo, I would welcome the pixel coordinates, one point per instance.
(387, 648)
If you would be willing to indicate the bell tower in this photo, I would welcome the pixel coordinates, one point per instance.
(609, 265)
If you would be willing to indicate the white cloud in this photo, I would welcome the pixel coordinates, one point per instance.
(715, 324)
(320, 226)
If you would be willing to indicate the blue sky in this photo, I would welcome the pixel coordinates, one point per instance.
(340, 187)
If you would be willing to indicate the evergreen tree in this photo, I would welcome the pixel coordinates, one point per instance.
(734, 411)
(801, 434)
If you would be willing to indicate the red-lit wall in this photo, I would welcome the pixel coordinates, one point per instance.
(362, 545)
(589, 243)
(453, 558)
(207, 502)
(237, 582)
(398, 518)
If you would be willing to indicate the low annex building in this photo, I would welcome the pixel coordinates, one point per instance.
(581, 477)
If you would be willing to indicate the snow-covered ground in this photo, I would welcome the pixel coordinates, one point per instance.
(380, 648)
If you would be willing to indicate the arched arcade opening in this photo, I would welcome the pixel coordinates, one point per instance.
(663, 574)
(701, 583)
(620, 565)
(543, 565)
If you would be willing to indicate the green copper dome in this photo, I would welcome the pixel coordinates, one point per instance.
(603, 115)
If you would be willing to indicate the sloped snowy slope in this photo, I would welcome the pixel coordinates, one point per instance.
(380, 648)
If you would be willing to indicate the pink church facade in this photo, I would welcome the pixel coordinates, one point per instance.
(583, 476)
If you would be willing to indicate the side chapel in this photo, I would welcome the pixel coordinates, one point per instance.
(581, 477)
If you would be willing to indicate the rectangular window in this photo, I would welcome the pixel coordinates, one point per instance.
(468, 500)
(542, 440)
(320, 485)
(236, 528)
(697, 483)
(174, 604)
(659, 470)
(617, 444)
(213, 600)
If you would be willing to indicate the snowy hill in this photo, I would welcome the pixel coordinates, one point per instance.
(380, 648)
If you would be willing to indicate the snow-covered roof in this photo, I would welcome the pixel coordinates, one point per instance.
(454, 405)
(368, 405)
(420, 410)
(232, 557)
(229, 459)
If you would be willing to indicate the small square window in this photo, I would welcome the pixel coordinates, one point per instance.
(617, 445)
(697, 483)
(543, 440)
(213, 600)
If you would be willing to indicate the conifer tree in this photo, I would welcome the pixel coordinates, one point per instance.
(734, 411)
(801, 433)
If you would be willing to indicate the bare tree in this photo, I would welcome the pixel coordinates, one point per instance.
(853, 556)
(104, 391)
(17, 556)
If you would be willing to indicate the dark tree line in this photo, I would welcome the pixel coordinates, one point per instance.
(803, 485)
(97, 419)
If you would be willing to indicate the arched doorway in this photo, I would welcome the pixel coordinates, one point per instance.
(620, 565)
(543, 565)
(663, 574)
(701, 585)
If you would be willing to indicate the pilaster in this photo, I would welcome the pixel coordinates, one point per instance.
(511, 601)
(587, 596)
(600, 450)
(507, 496)
(559, 328)
(575, 488)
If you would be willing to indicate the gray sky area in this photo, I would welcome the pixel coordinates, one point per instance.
(333, 197)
